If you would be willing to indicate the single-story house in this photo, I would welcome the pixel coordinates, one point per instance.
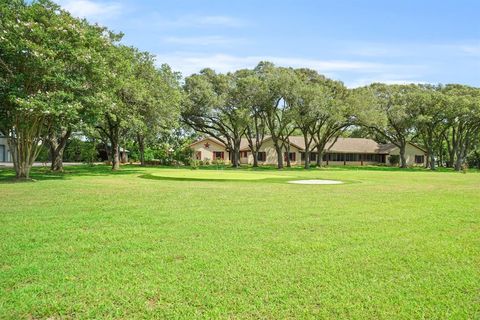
(5, 154)
(343, 151)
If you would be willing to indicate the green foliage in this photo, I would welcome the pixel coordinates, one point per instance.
(43, 155)
(394, 159)
(473, 159)
(78, 150)
(194, 164)
(50, 63)
(212, 106)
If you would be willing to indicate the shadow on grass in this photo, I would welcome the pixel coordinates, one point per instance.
(263, 180)
(334, 168)
(155, 177)
(7, 175)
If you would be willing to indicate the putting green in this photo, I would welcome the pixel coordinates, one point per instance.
(215, 175)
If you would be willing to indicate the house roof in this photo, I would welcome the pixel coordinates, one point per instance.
(388, 147)
(344, 145)
(354, 145)
(341, 145)
(243, 142)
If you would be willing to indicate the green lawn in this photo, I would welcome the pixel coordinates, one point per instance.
(181, 243)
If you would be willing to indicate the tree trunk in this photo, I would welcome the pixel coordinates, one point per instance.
(21, 164)
(460, 157)
(307, 159)
(57, 147)
(22, 170)
(115, 155)
(255, 158)
(57, 159)
(25, 145)
(115, 148)
(458, 163)
(234, 159)
(141, 149)
(403, 161)
(440, 161)
(319, 158)
(320, 152)
(278, 149)
(236, 153)
(22, 157)
(307, 151)
(451, 155)
(287, 150)
(431, 160)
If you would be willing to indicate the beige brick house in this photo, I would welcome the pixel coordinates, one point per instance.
(345, 151)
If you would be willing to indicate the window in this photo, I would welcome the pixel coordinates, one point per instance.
(243, 154)
(198, 155)
(262, 156)
(337, 157)
(372, 157)
(419, 159)
(291, 156)
(218, 155)
(351, 157)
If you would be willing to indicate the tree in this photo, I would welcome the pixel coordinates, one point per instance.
(428, 112)
(118, 98)
(276, 105)
(45, 58)
(331, 110)
(157, 102)
(211, 108)
(250, 91)
(385, 111)
(463, 118)
(306, 107)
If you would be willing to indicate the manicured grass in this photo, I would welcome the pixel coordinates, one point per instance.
(180, 243)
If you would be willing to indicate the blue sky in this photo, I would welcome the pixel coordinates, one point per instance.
(357, 42)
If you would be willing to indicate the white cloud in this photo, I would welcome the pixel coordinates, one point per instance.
(414, 49)
(204, 40)
(361, 72)
(92, 10)
(226, 21)
(472, 49)
(387, 79)
(158, 20)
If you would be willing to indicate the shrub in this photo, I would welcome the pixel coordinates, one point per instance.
(218, 162)
(194, 164)
(88, 152)
(394, 159)
(153, 162)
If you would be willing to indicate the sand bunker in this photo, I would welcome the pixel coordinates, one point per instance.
(315, 182)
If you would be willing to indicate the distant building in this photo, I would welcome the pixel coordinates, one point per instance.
(344, 151)
(5, 154)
